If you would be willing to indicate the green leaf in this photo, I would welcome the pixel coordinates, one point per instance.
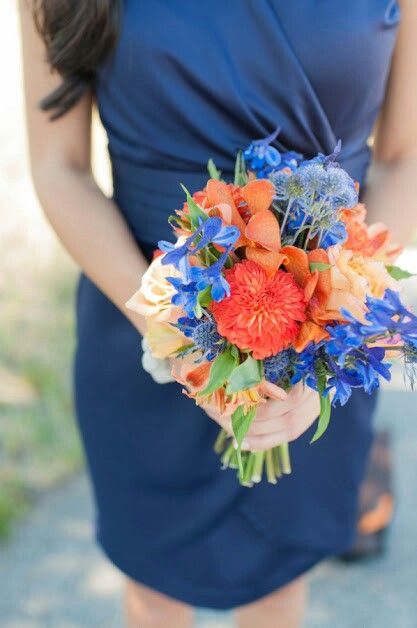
(241, 177)
(204, 297)
(398, 273)
(197, 310)
(212, 170)
(195, 211)
(325, 408)
(324, 418)
(320, 266)
(182, 350)
(220, 372)
(246, 375)
(235, 352)
(241, 423)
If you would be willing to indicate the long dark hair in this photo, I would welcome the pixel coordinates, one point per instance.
(78, 37)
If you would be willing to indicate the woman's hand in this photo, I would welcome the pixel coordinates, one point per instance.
(283, 418)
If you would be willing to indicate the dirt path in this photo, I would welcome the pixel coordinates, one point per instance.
(52, 575)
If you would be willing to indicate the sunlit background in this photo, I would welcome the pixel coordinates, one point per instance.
(50, 572)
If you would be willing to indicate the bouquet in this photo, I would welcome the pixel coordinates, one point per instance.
(275, 279)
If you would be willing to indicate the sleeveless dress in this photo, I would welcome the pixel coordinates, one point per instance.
(191, 80)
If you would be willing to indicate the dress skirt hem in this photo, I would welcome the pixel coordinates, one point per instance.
(218, 599)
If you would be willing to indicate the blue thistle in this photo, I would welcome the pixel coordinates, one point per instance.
(204, 335)
(277, 366)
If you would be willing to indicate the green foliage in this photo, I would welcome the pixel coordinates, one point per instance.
(325, 409)
(320, 266)
(398, 273)
(246, 375)
(220, 371)
(195, 211)
(213, 171)
(39, 441)
(241, 177)
(241, 422)
(204, 297)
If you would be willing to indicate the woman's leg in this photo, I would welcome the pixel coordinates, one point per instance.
(146, 608)
(282, 609)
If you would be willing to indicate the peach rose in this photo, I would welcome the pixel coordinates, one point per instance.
(353, 278)
(153, 299)
(163, 338)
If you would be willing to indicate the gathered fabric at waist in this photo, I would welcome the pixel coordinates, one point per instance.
(148, 196)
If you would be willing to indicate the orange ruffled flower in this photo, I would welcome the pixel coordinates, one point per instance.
(263, 313)
(368, 240)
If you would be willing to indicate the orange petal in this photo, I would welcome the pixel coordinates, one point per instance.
(297, 264)
(263, 229)
(217, 194)
(379, 235)
(309, 332)
(258, 194)
(324, 284)
(311, 286)
(269, 260)
(198, 376)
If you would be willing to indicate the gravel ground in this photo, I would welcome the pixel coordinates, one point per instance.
(52, 574)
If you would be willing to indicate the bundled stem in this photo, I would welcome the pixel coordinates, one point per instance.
(274, 462)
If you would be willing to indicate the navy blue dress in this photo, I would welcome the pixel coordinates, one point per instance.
(191, 80)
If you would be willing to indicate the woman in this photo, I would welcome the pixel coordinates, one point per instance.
(177, 81)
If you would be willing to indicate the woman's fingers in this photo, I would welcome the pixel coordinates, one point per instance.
(273, 391)
(288, 427)
(273, 409)
(276, 421)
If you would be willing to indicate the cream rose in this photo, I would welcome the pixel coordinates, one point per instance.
(353, 278)
(153, 299)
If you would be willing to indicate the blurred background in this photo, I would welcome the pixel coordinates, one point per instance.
(51, 573)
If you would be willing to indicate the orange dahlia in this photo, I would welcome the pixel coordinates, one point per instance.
(263, 313)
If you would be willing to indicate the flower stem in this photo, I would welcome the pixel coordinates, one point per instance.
(277, 465)
(287, 213)
(220, 442)
(284, 455)
(270, 468)
(227, 456)
(247, 474)
(258, 465)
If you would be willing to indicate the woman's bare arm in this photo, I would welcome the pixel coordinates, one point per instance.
(391, 195)
(89, 225)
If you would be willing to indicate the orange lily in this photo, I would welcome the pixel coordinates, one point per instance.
(369, 240)
(316, 285)
(261, 236)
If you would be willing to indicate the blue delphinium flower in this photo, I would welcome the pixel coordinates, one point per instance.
(361, 367)
(213, 276)
(194, 279)
(204, 335)
(261, 156)
(335, 234)
(385, 318)
(186, 295)
(277, 367)
(210, 231)
(304, 365)
(325, 159)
